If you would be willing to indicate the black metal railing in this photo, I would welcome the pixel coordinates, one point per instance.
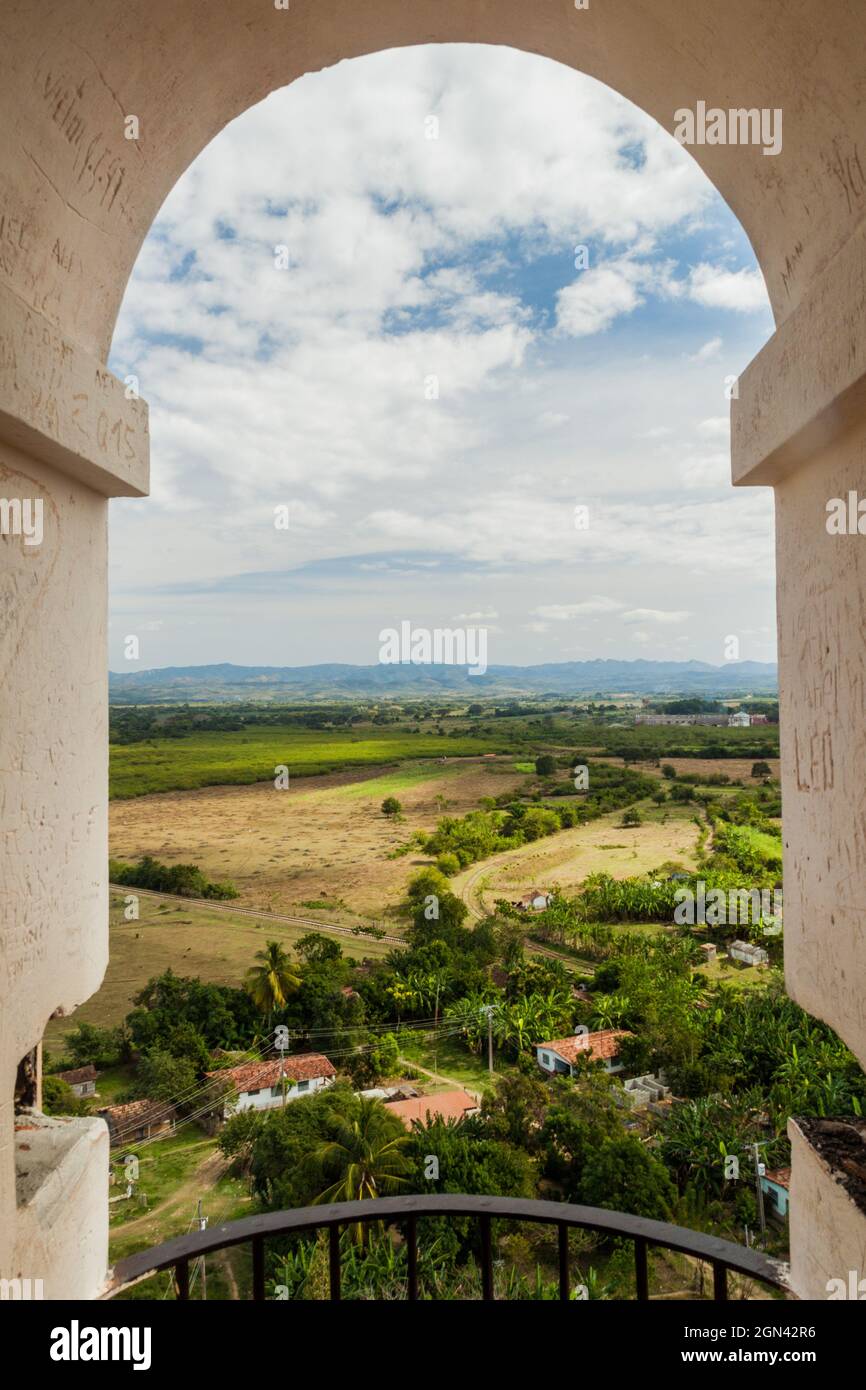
(721, 1255)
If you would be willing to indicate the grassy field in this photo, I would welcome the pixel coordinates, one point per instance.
(451, 1058)
(216, 946)
(174, 1173)
(565, 859)
(251, 755)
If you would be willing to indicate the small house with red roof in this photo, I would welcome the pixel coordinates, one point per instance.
(264, 1085)
(561, 1055)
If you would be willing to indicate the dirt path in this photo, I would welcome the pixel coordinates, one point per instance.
(206, 1174)
(437, 1076)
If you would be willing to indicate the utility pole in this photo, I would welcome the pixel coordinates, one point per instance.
(202, 1225)
(758, 1188)
(488, 1010)
(759, 1172)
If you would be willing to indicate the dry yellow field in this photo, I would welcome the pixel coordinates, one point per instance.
(565, 859)
(323, 839)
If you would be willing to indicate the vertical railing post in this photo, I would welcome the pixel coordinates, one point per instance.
(720, 1283)
(412, 1257)
(181, 1278)
(564, 1291)
(640, 1270)
(334, 1262)
(486, 1258)
(258, 1269)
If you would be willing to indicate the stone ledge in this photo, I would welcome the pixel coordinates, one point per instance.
(827, 1222)
(58, 404)
(61, 1229)
(807, 385)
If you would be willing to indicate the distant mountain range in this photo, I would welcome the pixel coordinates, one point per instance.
(334, 681)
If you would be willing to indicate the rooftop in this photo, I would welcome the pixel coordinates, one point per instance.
(254, 1076)
(600, 1046)
(448, 1105)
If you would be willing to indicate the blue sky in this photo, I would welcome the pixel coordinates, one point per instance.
(381, 323)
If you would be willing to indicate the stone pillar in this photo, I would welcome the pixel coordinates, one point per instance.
(69, 439)
(800, 425)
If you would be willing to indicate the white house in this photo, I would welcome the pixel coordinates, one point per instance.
(261, 1085)
(739, 721)
(536, 900)
(561, 1055)
(81, 1079)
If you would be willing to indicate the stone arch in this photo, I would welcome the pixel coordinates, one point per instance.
(78, 197)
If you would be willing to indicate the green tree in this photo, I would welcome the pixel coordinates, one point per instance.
(161, 1076)
(273, 980)
(363, 1157)
(391, 807)
(545, 765)
(58, 1098)
(621, 1175)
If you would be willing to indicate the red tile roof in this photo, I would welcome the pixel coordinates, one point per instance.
(600, 1046)
(135, 1114)
(254, 1076)
(448, 1105)
(78, 1075)
(780, 1176)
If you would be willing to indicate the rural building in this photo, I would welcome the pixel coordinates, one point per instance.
(448, 1105)
(261, 1085)
(535, 900)
(81, 1079)
(137, 1120)
(748, 953)
(708, 951)
(705, 719)
(758, 719)
(562, 1055)
(739, 721)
(645, 1090)
(775, 1185)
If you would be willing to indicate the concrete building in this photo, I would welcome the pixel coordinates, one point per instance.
(81, 1079)
(535, 900)
(263, 1085)
(137, 1120)
(741, 720)
(748, 953)
(776, 1186)
(77, 200)
(562, 1054)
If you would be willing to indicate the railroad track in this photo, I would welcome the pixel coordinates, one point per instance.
(215, 905)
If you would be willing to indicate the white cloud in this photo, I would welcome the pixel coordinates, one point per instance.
(407, 388)
(718, 288)
(560, 612)
(656, 615)
(707, 351)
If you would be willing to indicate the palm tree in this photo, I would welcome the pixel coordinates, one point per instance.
(270, 983)
(363, 1159)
